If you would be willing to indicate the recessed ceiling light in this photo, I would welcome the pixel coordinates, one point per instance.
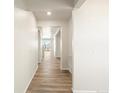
(49, 13)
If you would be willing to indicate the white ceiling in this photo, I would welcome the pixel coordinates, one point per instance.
(61, 9)
(57, 14)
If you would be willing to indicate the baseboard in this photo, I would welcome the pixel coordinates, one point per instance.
(30, 79)
(87, 91)
(65, 69)
(83, 91)
(102, 91)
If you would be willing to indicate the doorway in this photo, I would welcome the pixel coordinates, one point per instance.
(51, 42)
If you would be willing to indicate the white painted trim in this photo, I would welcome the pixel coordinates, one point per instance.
(31, 79)
(87, 91)
(65, 69)
(83, 91)
(61, 44)
(102, 91)
(70, 67)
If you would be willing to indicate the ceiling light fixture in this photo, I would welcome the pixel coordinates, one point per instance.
(49, 13)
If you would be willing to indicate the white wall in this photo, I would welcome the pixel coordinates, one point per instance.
(91, 47)
(25, 49)
(64, 35)
(40, 48)
(57, 44)
(70, 52)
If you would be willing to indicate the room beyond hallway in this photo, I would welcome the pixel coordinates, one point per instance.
(49, 78)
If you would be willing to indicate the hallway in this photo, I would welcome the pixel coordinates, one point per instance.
(49, 78)
(76, 32)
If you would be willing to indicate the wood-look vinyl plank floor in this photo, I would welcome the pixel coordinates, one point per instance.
(49, 78)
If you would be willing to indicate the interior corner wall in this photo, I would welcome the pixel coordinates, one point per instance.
(90, 46)
(70, 52)
(58, 44)
(25, 49)
(40, 48)
(64, 34)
